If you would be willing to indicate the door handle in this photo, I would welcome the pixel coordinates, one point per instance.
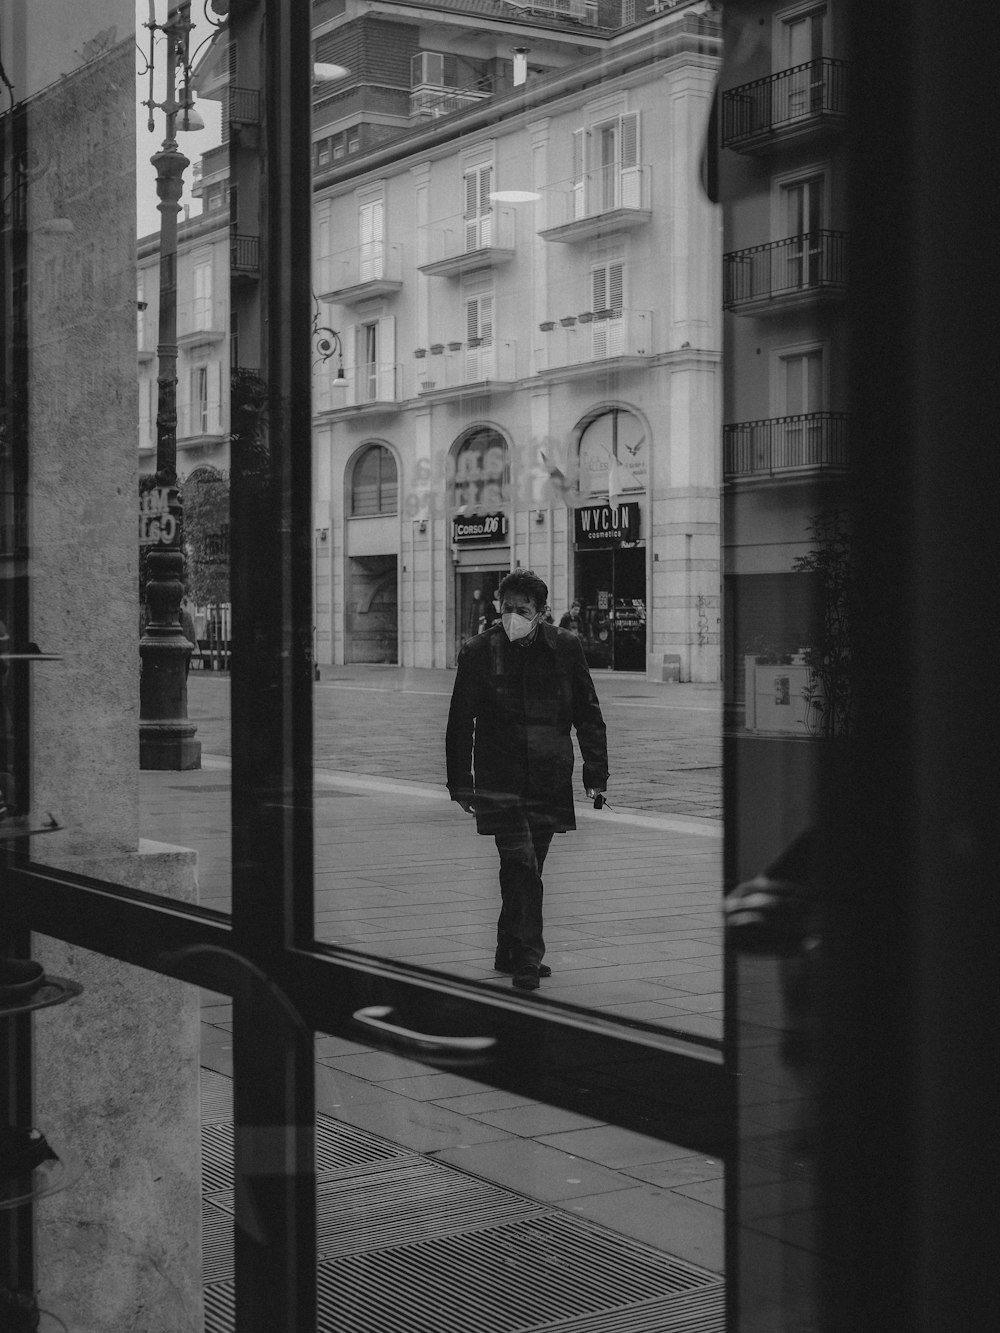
(465, 1050)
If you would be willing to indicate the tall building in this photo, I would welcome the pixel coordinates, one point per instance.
(522, 273)
(517, 321)
(782, 177)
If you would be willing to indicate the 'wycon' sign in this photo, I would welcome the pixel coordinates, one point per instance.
(607, 524)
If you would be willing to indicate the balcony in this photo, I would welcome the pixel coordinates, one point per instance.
(146, 337)
(243, 106)
(466, 371)
(363, 271)
(607, 340)
(461, 244)
(795, 104)
(780, 446)
(202, 321)
(244, 256)
(783, 274)
(598, 203)
(430, 101)
(369, 388)
(199, 424)
(583, 11)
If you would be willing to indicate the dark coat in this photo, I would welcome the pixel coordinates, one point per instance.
(511, 713)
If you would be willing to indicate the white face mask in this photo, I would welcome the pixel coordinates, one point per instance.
(517, 626)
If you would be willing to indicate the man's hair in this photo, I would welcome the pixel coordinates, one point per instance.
(526, 583)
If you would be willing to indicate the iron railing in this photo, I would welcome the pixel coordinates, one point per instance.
(785, 444)
(244, 254)
(815, 261)
(243, 106)
(791, 98)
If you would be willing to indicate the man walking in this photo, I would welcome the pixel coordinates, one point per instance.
(520, 687)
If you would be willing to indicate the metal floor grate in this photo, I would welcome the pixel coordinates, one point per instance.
(407, 1244)
(216, 1097)
(692, 1312)
(338, 1147)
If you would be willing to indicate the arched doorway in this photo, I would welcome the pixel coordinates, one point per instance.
(609, 564)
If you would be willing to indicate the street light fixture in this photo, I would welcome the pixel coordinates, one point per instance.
(166, 737)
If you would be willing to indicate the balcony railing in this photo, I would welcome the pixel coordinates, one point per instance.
(786, 270)
(575, 344)
(456, 369)
(611, 198)
(243, 106)
(371, 269)
(785, 444)
(366, 386)
(791, 102)
(197, 419)
(429, 101)
(244, 256)
(202, 320)
(459, 244)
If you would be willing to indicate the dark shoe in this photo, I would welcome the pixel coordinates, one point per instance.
(505, 965)
(527, 978)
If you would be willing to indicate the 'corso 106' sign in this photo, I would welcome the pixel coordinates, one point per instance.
(479, 527)
(607, 524)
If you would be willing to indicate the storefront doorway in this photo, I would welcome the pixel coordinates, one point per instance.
(611, 589)
(372, 609)
(474, 605)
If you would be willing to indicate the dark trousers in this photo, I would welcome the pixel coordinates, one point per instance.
(522, 855)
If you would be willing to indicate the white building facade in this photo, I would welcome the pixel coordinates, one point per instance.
(526, 372)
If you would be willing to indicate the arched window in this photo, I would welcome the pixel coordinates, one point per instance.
(374, 482)
(482, 472)
(613, 455)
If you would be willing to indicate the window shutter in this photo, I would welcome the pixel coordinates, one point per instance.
(598, 288)
(386, 344)
(371, 219)
(577, 180)
(214, 397)
(615, 284)
(631, 172)
(335, 396)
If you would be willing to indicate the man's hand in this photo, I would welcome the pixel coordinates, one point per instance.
(467, 806)
(595, 791)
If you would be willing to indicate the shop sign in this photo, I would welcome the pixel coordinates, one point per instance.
(607, 524)
(157, 525)
(479, 527)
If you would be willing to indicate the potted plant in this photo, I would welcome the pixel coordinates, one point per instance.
(603, 314)
(586, 317)
(420, 353)
(568, 321)
(474, 342)
(457, 347)
(547, 325)
(437, 349)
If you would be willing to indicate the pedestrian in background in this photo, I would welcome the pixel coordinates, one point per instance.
(571, 620)
(520, 688)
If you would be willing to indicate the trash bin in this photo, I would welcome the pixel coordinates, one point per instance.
(671, 669)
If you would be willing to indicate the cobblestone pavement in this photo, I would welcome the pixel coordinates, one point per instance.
(664, 741)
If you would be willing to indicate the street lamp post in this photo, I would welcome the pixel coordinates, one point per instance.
(166, 736)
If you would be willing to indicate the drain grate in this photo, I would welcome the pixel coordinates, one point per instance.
(216, 1097)
(406, 1203)
(689, 1312)
(530, 1273)
(216, 1243)
(338, 1147)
